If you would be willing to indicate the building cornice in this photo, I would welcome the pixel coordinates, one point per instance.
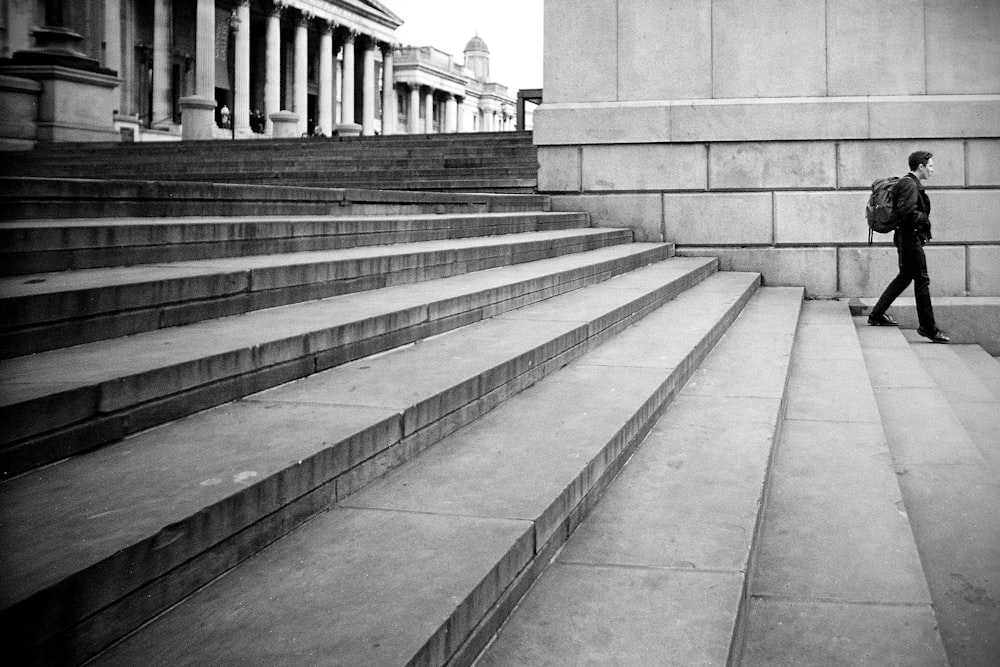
(369, 18)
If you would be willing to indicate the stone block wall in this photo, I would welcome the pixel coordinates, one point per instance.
(753, 131)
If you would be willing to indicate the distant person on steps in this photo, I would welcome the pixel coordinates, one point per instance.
(912, 209)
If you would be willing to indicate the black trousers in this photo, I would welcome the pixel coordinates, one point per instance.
(912, 267)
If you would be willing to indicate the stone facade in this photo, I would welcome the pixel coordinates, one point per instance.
(753, 131)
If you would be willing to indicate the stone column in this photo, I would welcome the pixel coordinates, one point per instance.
(326, 87)
(162, 61)
(198, 110)
(368, 89)
(112, 35)
(429, 112)
(204, 83)
(388, 91)
(414, 116)
(272, 66)
(347, 87)
(301, 106)
(451, 114)
(460, 120)
(241, 83)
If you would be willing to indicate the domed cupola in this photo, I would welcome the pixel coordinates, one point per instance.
(477, 58)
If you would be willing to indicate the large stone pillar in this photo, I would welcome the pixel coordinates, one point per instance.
(388, 91)
(368, 88)
(272, 66)
(326, 83)
(460, 120)
(241, 83)
(414, 115)
(347, 85)
(301, 106)
(451, 114)
(112, 35)
(198, 110)
(429, 112)
(163, 47)
(204, 82)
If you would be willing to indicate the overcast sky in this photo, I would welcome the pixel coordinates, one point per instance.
(512, 29)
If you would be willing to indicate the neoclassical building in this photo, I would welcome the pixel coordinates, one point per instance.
(436, 94)
(147, 70)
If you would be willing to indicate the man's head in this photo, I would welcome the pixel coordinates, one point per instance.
(921, 164)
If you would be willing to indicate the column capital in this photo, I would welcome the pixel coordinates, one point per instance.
(277, 8)
(369, 43)
(386, 48)
(326, 26)
(350, 35)
(303, 19)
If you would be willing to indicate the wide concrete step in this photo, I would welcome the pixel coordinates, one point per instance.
(497, 164)
(967, 391)
(427, 145)
(34, 198)
(192, 498)
(310, 173)
(34, 246)
(655, 575)
(943, 433)
(45, 311)
(837, 578)
(421, 565)
(439, 142)
(983, 365)
(60, 402)
(369, 161)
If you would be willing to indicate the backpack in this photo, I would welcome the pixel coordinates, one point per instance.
(879, 212)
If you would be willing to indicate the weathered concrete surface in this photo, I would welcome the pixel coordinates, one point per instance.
(948, 484)
(108, 384)
(836, 551)
(352, 587)
(980, 362)
(655, 574)
(37, 307)
(357, 421)
(516, 476)
(823, 634)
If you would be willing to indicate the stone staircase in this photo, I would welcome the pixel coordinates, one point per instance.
(501, 162)
(439, 428)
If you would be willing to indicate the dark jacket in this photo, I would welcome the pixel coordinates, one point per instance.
(912, 207)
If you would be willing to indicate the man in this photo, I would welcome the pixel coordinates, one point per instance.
(912, 209)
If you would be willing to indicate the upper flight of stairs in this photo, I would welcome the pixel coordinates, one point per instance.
(502, 162)
(255, 424)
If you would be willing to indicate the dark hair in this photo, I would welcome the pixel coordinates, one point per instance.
(918, 158)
